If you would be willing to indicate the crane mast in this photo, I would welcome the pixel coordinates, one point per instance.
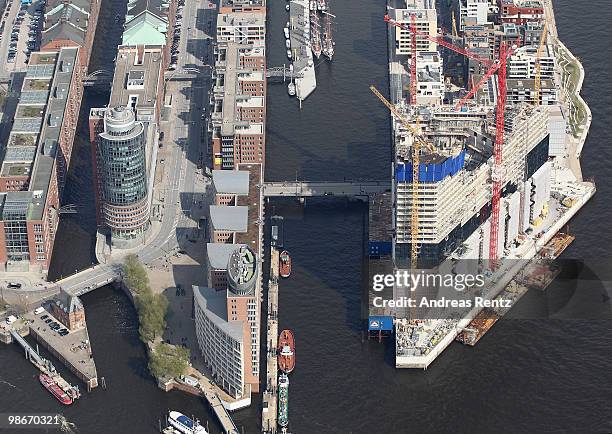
(415, 148)
(497, 171)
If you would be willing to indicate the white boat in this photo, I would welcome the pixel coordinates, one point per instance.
(287, 8)
(291, 89)
(287, 43)
(313, 5)
(289, 54)
(185, 425)
(286, 30)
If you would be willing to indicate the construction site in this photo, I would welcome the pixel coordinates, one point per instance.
(485, 165)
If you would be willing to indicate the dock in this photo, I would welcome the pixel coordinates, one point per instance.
(44, 365)
(73, 350)
(269, 412)
(301, 54)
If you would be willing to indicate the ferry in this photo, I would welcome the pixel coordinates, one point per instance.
(283, 400)
(55, 390)
(285, 264)
(286, 351)
(185, 425)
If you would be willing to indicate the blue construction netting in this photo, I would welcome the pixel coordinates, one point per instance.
(433, 172)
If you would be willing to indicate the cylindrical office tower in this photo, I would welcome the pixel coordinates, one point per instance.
(123, 174)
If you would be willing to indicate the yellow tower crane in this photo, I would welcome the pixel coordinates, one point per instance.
(538, 76)
(420, 140)
(455, 32)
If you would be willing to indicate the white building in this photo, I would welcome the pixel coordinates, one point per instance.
(473, 12)
(220, 341)
(430, 78)
(522, 64)
(557, 126)
(242, 28)
(426, 20)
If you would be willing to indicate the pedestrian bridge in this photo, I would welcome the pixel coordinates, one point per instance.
(325, 188)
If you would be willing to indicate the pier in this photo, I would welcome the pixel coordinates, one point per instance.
(299, 34)
(270, 401)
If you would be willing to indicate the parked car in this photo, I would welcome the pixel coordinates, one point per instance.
(44, 317)
(48, 321)
(13, 285)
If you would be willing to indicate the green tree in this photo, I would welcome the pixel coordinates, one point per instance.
(168, 360)
(152, 310)
(134, 274)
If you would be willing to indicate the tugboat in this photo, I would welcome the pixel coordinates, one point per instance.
(286, 351)
(285, 264)
(283, 400)
(184, 424)
(54, 389)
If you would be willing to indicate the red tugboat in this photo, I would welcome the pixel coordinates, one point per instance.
(286, 351)
(285, 264)
(55, 390)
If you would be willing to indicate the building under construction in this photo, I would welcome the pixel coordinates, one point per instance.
(480, 184)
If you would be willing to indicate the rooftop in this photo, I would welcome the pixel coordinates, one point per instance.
(214, 304)
(251, 236)
(229, 218)
(137, 79)
(219, 254)
(28, 132)
(231, 181)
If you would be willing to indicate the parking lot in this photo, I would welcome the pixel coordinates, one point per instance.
(176, 35)
(21, 26)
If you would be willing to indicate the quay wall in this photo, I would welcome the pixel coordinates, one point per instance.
(92, 382)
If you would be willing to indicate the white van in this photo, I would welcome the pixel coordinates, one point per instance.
(11, 319)
(39, 310)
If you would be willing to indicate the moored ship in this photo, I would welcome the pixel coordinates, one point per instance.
(286, 351)
(328, 40)
(54, 389)
(284, 264)
(315, 33)
(184, 424)
(283, 400)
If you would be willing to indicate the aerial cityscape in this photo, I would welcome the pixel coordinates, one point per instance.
(304, 216)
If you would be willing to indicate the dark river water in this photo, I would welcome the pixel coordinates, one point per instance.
(537, 375)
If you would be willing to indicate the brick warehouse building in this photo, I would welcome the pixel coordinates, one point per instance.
(36, 157)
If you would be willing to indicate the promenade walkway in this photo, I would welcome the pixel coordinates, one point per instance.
(269, 410)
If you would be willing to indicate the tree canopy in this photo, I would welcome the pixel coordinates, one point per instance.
(168, 360)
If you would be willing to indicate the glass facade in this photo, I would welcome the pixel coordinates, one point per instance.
(14, 215)
(123, 165)
(123, 175)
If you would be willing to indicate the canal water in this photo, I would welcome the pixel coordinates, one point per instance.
(525, 375)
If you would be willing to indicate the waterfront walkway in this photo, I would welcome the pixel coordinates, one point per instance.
(269, 410)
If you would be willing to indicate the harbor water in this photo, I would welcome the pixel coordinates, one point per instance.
(524, 375)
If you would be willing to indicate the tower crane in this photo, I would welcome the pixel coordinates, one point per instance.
(538, 65)
(498, 66)
(419, 140)
(455, 33)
